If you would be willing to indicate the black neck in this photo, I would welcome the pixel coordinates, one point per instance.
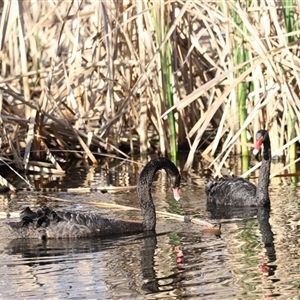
(262, 191)
(144, 189)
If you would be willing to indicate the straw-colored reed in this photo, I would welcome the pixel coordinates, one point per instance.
(82, 78)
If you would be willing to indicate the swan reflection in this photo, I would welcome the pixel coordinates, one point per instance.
(132, 261)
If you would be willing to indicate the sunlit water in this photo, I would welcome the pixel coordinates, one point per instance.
(256, 256)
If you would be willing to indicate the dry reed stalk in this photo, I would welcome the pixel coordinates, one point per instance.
(258, 47)
(85, 79)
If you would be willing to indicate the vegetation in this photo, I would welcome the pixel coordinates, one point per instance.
(88, 78)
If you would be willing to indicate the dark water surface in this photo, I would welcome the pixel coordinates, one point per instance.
(256, 257)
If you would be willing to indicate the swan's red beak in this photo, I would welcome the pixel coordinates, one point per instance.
(258, 145)
(176, 193)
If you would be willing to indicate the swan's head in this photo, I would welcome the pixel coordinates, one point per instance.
(260, 137)
(174, 180)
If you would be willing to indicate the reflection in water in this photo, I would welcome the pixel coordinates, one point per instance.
(263, 216)
(230, 212)
(70, 267)
(153, 283)
(140, 266)
(120, 259)
(245, 263)
(34, 249)
(267, 267)
(111, 172)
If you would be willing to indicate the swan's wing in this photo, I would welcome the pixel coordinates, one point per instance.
(230, 191)
(62, 224)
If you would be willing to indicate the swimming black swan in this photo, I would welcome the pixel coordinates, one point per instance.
(236, 191)
(46, 223)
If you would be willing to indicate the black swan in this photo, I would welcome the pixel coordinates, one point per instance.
(236, 191)
(46, 223)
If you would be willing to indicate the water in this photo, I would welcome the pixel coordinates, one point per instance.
(256, 256)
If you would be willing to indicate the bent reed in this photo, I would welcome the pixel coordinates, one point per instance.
(85, 78)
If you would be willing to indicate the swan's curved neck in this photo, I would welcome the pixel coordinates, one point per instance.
(144, 189)
(262, 191)
(145, 197)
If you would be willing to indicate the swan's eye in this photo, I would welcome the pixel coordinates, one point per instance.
(174, 181)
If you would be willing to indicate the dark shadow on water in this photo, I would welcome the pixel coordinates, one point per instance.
(54, 251)
(263, 216)
(230, 212)
(152, 283)
(242, 215)
(31, 248)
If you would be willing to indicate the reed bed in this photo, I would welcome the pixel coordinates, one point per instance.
(87, 78)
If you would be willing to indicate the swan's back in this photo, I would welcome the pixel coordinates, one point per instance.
(46, 223)
(233, 191)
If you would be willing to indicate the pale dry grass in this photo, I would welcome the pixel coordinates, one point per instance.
(84, 78)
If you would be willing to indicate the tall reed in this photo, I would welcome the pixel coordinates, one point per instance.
(162, 18)
(288, 12)
(241, 55)
(117, 77)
